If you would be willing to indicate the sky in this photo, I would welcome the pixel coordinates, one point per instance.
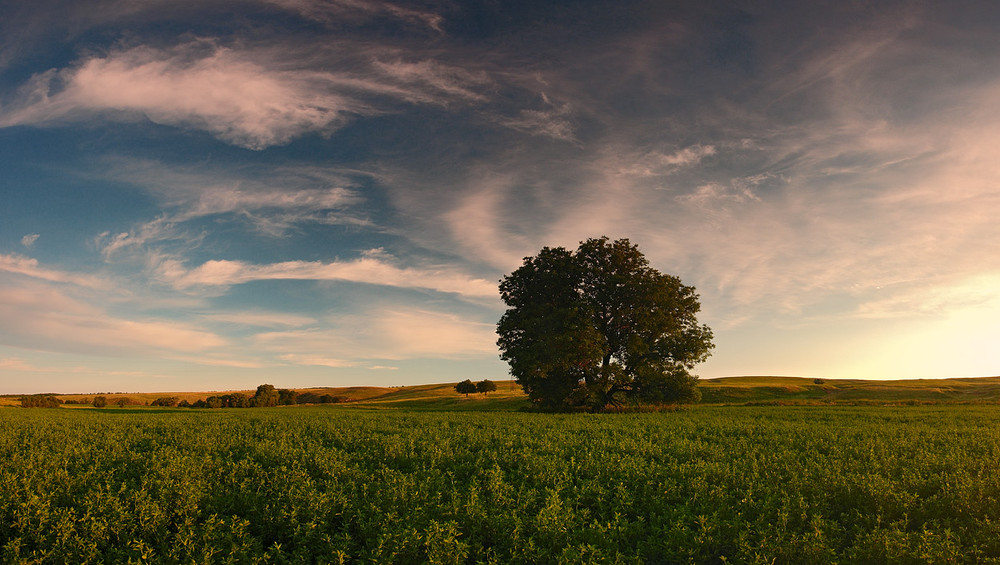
(215, 194)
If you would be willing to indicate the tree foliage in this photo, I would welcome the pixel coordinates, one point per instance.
(40, 401)
(100, 401)
(485, 386)
(465, 387)
(287, 397)
(265, 396)
(168, 401)
(599, 326)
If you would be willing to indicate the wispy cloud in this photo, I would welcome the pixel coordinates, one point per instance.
(387, 333)
(371, 269)
(551, 121)
(271, 202)
(250, 99)
(39, 316)
(316, 360)
(260, 319)
(29, 239)
(234, 98)
(26, 266)
(338, 10)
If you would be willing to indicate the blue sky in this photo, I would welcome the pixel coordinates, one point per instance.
(210, 195)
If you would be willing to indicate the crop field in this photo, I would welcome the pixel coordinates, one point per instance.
(779, 484)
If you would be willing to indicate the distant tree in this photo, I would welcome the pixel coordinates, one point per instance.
(123, 401)
(818, 381)
(165, 401)
(466, 387)
(331, 399)
(286, 396)
(184, 404)
(265, 396)
(200, 403)
(100, 401)
(40, 401)
(486, 386)
(307, 398)
(213, 402)
(236, 400)
(598, 326)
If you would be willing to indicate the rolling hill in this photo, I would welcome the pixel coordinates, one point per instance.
(725, 391)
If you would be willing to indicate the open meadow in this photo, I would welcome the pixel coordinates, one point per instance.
(393, 484)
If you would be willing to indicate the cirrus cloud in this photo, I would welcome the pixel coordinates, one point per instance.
(252, 99)
(370, 269)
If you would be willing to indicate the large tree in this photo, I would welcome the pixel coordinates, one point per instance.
(599, 326)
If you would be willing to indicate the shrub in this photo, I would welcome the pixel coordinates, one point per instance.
(100, 401)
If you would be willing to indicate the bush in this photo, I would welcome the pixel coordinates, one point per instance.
(100, 401)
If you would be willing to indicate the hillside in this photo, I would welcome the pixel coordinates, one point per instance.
(799, 390)
(726, 390)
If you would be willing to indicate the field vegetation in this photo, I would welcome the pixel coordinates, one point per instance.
(381, 481)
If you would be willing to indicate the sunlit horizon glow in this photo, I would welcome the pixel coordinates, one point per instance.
(212, 195)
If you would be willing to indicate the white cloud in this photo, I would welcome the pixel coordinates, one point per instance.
(234, 98)
(317, 360)
(369, 270)
(272, 202)
(29, 267)
(933, 299)
(421, 333)
(654, 163)
(388, 333)
(260, 319)
(17, 364)
(551, 122)
(29, 240)
(250, 99)
(335, 11)
(714, 195)
(39, 316)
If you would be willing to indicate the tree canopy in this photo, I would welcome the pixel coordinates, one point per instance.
(265, 396)
(599, 326)
(485, 386)
(466, 387)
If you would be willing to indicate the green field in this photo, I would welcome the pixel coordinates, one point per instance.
(707, 484)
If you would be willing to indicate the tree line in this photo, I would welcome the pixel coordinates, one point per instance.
(266, 395)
